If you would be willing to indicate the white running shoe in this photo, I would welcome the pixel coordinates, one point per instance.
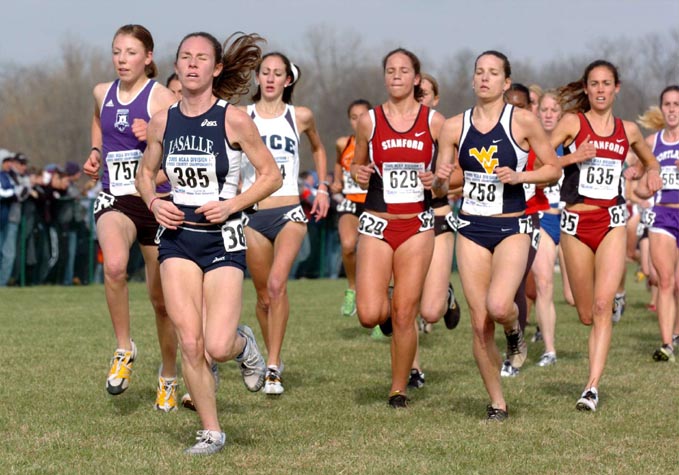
(588, 401)
(508, 371)
(272, 382)
(547, 359)
(209, 442)
(252, 365)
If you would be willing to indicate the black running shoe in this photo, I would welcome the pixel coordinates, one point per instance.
(385, 326)
(496, 414)
(416, 379)
(452, 315)
(398, 401)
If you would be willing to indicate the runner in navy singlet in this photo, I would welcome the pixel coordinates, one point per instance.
(491, 143)
(199, 143)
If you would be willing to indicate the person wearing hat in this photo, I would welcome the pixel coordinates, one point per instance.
(16, 188)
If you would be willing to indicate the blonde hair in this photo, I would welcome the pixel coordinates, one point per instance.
(652, 119)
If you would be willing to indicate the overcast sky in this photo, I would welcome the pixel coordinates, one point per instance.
(33, 30)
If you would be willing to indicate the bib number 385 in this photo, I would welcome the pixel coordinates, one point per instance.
(233, 235)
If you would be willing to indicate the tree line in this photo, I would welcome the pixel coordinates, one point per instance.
(46, 109)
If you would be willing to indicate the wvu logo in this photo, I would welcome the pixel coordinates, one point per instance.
(485, 157)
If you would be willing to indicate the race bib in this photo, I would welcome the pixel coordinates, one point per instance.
(103, 201)
(529, 190)
(401, 182)
(122, 168)
(193, 178)
(569, 222)
(296, 215)
(286, 166)
(233, 235)
(452, 221)
(427, 220)
(600, 178)
(618, 216)
(346, 206)
(482, 194)
(670, 178)
(350, 186)
(372, 225)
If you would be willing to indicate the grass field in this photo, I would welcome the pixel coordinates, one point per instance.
(56, 416)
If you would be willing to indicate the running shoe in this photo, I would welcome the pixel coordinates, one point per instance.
(675, 340)
(664, 353)
(166, 394)
(424, 326)
(416, 379)
(537, 336)
(349, 304)
(187, 402)
(386, 327)
(252, 365)
(377, 333)
(398, 400)
(588, 401)
(618, 307)
(547, 359)
(508, 371)
(495, 414)
(517, 350)
(121, 369)
(272, 382)
(452, 315)
(209, 442)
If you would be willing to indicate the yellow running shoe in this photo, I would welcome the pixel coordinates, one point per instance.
(166, 395)
(121, 368)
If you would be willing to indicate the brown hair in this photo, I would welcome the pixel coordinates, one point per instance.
(144, 36)
(416, 66)
(291, 70)
(239, 55)
(506, 67)
(432, 80)
(573, 97)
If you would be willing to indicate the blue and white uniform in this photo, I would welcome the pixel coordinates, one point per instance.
(281, 137)
(485, 197)
(202, 166)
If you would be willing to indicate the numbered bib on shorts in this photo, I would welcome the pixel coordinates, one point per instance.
(526, 225)
(569, 222)
(193, 178)
(452, 221)
(372, 225)
(103, 201)
(350, 186)
(529, 190)
(648, 217)
(600, 178)
(482, 194)
(618, 216)
(122, 168)
(427, 220)
(401, 183)
(346, 206)
(670, 178)
(296, 215)
(286, 166)
(233, 235)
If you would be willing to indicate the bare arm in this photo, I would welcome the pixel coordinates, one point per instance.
(243, 132)
(445, 162)
(165, 212)
(93, 162)
(307, 125)
(564, 133)
(645, 156)
(337, 185)
(361, 167)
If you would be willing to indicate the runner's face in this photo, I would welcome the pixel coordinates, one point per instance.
(428, 97)
(355, 115)
(176, 87)
(273, 77)
(670, 108)
(518, 99)
(130, 57)
(534, 102)
(399, 76)
(195, 65)
(489, 77)
(601, 88)
(549, 113)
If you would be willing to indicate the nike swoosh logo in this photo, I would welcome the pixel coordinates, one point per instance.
(620, 140)
(506, 230)
(496, 141)
(417, 134)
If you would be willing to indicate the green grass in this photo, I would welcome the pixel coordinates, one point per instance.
(56, 416)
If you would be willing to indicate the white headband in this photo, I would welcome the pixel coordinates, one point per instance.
(295, 73)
